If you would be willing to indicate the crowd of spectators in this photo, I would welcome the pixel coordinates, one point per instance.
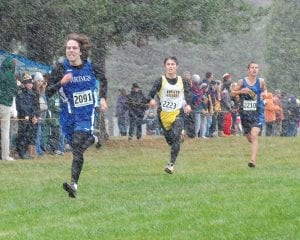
(36, 129)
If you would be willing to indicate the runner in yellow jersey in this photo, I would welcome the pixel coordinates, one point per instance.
(175, 99)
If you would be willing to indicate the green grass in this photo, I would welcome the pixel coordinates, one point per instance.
(124, 193)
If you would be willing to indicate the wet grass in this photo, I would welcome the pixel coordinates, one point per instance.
(124, 193)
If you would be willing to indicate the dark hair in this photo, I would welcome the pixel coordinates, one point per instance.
(226, 85)
(84, 42)
(252, 62)
(208, 75)
(123, 91)
(172, 58)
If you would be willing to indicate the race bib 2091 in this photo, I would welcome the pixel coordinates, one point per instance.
(83, 98)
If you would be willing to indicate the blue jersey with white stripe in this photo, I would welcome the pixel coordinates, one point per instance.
(78, 99)
(78, 94)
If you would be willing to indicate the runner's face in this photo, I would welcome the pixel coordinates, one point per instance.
(253, 69)
(171, 67)
(73, 52)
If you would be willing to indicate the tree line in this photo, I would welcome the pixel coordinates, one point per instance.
(41, 26)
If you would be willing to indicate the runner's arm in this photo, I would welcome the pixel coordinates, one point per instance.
(54, 80)
(237, 89)
(155, 88)
(100, 76)
(263, 88)
(102, 80)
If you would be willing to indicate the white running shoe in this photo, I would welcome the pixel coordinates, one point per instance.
(182, 135)
(71, 188)
(10, 159)
(169, 168)
(96, 140)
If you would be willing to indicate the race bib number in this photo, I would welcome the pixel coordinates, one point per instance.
(249, 105)
(83, 98)
(168, 105)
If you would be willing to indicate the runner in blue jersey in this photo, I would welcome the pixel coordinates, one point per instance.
(252, 91)
(75, 80)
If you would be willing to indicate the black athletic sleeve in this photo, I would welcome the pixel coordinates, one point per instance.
(54, 79)
(155, 88)
(100, 75)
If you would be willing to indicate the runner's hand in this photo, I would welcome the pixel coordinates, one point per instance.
(244, 90)
(103, 105)
(187, 109)
(152, 103)
(263, 95)
(34, 120)
(66, 79)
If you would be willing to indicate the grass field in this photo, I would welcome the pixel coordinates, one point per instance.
(124, 193)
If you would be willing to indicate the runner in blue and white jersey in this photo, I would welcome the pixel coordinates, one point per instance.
(252, 91)
(75, 80)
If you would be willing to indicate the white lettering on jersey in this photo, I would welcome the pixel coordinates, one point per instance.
(81, 79)
(172, 96)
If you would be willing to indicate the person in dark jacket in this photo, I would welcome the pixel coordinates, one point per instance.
(27, 104)
(122, 112)
(293, 116)
(137, 105)
(8, 90)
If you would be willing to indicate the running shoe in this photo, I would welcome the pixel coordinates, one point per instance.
(70, 188)
(169, 168)
(182, 135)
(251, 164)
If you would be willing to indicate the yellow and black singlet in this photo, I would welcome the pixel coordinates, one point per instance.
(171, 101)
